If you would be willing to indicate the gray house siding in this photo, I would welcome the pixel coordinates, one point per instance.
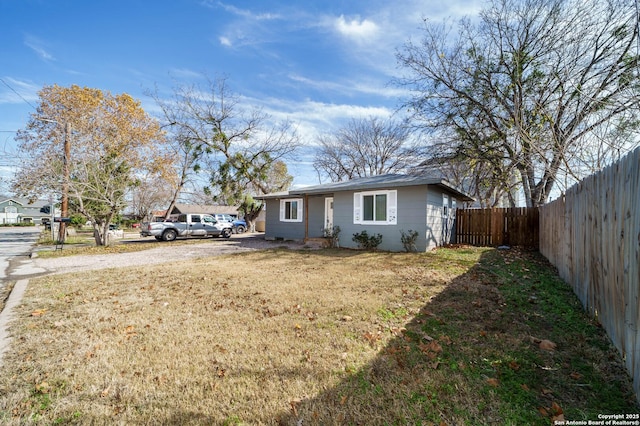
(411, 208)
(411, 216)
(434, 228)
(316, 216)
(343, 217)
(440, 227)
(278, 230)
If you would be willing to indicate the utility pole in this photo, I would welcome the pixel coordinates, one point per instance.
(65, 183)
(62, 229)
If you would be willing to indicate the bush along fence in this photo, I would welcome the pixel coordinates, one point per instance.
(495, 227)
(592, 235)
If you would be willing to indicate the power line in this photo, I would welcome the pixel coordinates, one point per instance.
(16, 92)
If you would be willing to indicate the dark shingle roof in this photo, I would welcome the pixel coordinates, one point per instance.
(374, 182)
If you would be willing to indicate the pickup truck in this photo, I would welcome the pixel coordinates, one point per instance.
(186, 225)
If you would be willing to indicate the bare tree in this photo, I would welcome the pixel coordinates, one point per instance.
(364, 147)
(187, 152)
(245, 144)
(474, 177)
(527, 85)
(150, 194)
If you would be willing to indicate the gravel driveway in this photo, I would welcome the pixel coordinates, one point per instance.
(168, 253)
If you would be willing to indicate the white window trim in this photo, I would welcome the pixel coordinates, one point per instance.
(445, 205)
(283, 203)
(392, 208)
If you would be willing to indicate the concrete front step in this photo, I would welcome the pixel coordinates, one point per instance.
(317, 242)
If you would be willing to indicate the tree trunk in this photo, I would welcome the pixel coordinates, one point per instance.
(250, 217)
(101, 232)
(99, 235)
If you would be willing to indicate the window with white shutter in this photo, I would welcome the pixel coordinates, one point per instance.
(375, 207)
(291, 210)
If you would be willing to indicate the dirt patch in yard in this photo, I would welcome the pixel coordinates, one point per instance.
(140, 253)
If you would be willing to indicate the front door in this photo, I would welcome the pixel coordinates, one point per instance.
(328, 214)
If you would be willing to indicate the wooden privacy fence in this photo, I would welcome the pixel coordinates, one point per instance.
(516, 226)
(592, 235)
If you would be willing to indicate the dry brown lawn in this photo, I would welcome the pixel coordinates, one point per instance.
(309, 337)
(227, 339)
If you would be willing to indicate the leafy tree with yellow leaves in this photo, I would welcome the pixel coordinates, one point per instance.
(112, 141)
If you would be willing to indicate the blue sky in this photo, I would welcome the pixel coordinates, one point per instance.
(316, 63)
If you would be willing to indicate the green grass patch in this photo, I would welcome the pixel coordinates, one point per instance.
(473, 355)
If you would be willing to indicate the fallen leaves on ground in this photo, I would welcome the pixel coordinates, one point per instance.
(547, 345)
(493, 382)
(544, 344)
(372, 338)
(431, 349)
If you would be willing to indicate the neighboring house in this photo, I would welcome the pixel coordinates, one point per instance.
(212, 210)
(204, 209)
(201, 209)
(18, 210)
(156, 216)
(384, 204)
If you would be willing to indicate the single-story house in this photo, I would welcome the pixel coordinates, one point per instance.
(383, 204)
(21, 210)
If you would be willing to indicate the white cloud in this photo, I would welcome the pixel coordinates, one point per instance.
(313, 118)
(37, 46)
(244, 13)
(356, 28)
(382, 27)
(246, 27)
(356, 87)
(17, 91)
(186, 73)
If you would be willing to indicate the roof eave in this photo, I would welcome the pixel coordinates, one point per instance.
(331, 188)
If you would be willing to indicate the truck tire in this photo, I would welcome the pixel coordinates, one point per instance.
(240, 229)
(226, 233)
(169, 235)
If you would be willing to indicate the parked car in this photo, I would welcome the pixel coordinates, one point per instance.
(224, 217)
(187, 225)
(239, 225)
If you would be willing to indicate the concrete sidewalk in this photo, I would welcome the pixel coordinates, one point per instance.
(7, 315)
(17, 266)
(21, 269)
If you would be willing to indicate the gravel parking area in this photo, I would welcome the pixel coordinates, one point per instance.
(166, 254)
